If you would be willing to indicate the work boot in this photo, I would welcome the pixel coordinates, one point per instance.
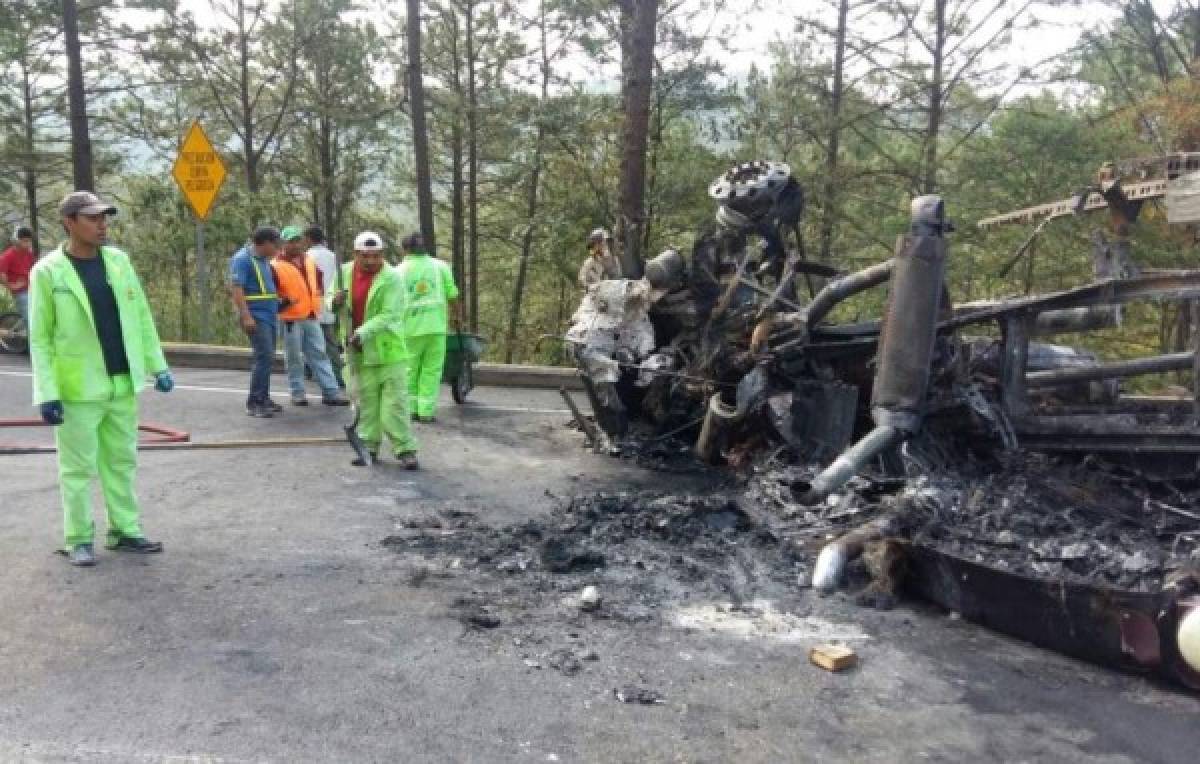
(272, 406)
(82, 556)
(299, 399)
(138, 544)
(372, 457)
(408, 460)
(335, 399)
(259, 410)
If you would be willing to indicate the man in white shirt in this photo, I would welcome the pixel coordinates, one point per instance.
(327, 264)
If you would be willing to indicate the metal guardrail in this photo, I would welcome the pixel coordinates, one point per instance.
(487, 374)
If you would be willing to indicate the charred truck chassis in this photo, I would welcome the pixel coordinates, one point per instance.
(727, 347)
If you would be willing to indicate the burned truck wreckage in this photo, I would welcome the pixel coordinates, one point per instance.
(950, 451)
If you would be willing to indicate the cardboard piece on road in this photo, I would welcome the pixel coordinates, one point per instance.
(833, 657)
(199, 171)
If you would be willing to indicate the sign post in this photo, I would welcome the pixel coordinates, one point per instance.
(199, 172)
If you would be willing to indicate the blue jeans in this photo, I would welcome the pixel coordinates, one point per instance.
(22, 301)
(263, 344)
(303, 341)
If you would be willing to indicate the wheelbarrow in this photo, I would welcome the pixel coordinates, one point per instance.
(462, 351)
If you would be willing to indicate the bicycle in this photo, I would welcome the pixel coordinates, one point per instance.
(14, 334)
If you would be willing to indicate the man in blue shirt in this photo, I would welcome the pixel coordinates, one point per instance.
(252, 284)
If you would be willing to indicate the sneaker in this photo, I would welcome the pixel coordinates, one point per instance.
(372, 457)
(259, 411)
(138, 544)
(408, 460)
(299, 399)
(335, 399)
(82, 556)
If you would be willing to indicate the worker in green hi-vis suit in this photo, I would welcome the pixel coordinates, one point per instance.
(92, 342)
(371, 313)
(429, 285)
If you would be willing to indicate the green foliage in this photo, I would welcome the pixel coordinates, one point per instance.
(330, 141)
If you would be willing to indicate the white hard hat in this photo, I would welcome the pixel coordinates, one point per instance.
(598, 234)
(368, 241)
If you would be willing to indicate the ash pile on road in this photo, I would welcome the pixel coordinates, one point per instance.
(641, 550)
(1032, 514)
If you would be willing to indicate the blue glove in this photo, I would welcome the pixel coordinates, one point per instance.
(52, 412)
(163, 381)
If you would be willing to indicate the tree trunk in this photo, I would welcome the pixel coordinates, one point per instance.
(247, 107)
(416, 90)
(30, 179)
(457, 228)
(326, 149)
(1195, 20)
(565, 290)
(531, 205)
(829, 192)
(81, 142)
(652, 153)
(531, 198)
(184, 293)
(457, 183)
(638, 26)
(472, 170)
(936, 96)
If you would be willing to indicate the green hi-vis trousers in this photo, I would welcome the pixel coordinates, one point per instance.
(99, 438)
(426, 357)
(382, 393)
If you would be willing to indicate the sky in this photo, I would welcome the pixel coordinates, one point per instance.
(774, 19)
(768, 21)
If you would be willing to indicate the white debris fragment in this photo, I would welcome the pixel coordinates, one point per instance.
(589, 598)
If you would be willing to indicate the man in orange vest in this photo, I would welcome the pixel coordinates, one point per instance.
(299, 285)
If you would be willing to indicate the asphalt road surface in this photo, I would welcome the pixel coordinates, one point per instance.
(277, 627)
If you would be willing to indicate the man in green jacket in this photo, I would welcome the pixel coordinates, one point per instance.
(373, 318)
(429, 286)
(93, 343)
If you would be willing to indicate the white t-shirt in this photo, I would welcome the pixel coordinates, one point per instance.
(326, 262)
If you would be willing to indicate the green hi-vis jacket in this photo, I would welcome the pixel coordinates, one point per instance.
(429, 284)
(382, 329)
(68, 363)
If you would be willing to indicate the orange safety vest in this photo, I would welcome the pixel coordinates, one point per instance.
(303, 288)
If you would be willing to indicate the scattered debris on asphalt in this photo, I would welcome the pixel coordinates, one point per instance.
(639, 695)
(589, 598)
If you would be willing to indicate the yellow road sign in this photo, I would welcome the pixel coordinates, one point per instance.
(199, 171)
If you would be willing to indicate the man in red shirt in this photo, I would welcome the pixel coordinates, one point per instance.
(15, 264)
(374, 305)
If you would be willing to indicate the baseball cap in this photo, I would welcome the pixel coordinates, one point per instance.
(598, 234)
(368, 241)
(291, 233)
(84, 203)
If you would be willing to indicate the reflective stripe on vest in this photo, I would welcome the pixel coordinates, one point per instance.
(263, 294)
